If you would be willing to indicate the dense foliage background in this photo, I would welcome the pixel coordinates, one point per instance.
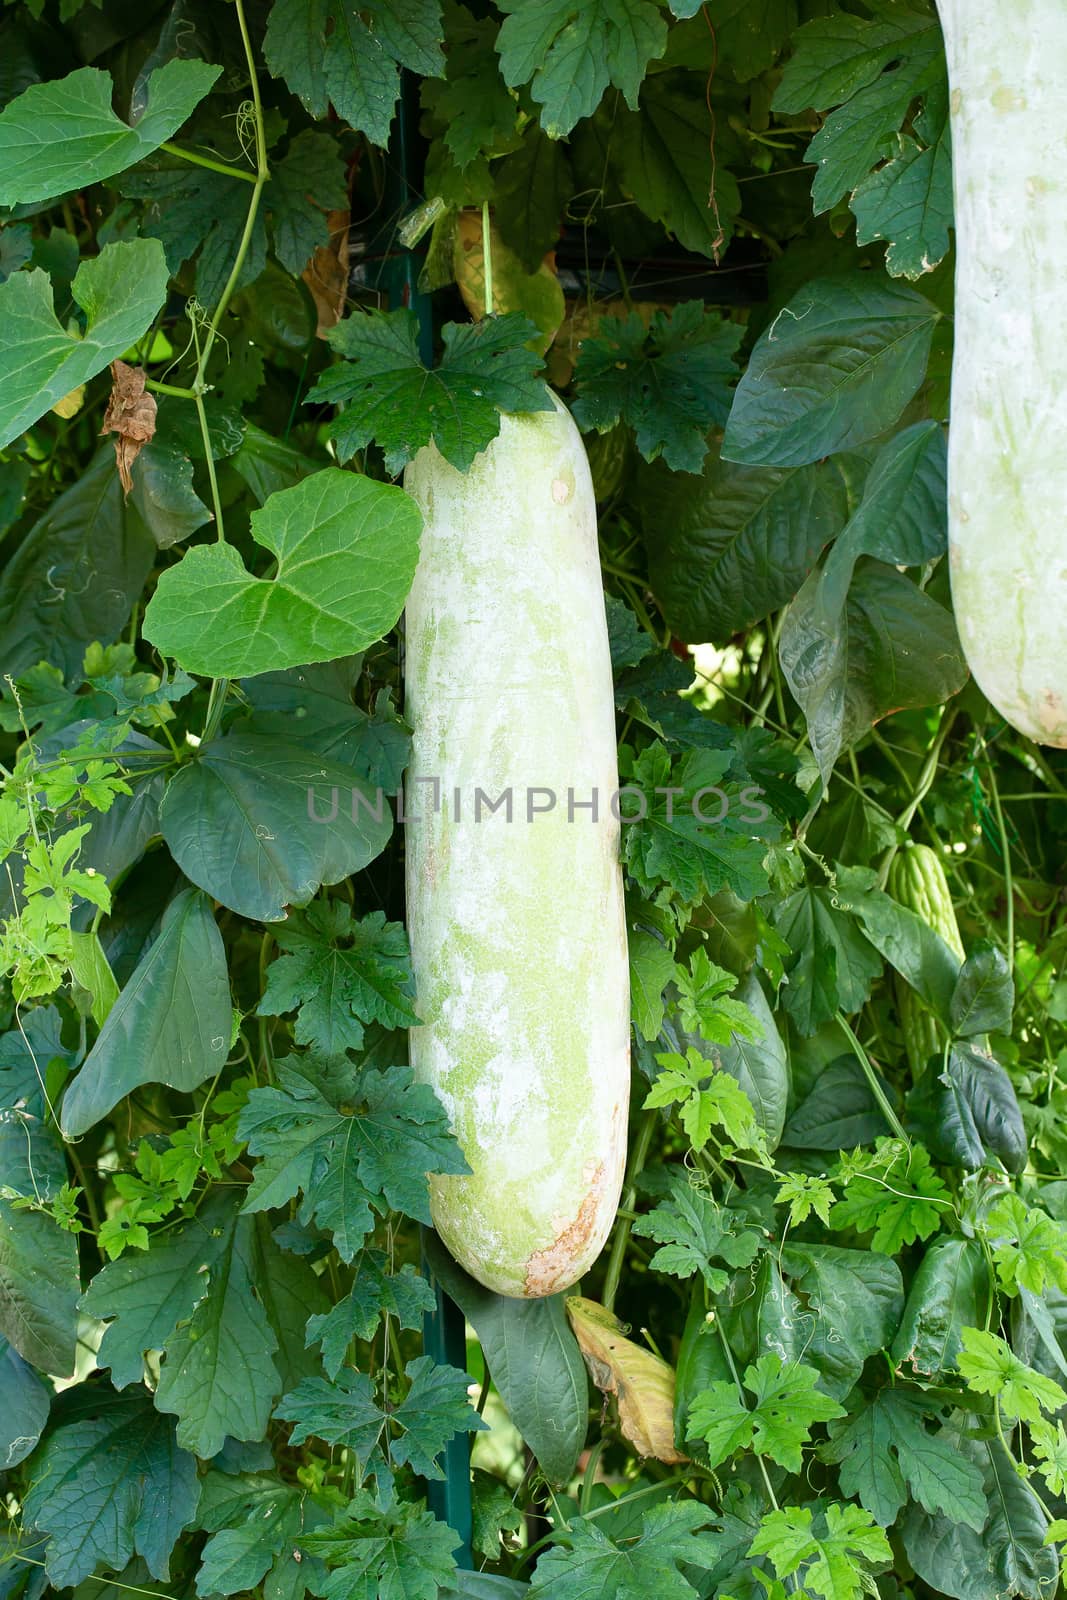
(828, 1340)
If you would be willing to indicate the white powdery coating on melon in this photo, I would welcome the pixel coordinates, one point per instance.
(1008, 436)
(517, 928)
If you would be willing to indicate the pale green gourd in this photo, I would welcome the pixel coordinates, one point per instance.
(1007, 63)
(517, 927)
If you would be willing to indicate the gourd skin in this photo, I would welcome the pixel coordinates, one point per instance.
(517, 928)
(1007, 63)
(917, 881)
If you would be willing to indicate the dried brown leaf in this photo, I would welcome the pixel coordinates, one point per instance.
(640, 1381)
(131, 414)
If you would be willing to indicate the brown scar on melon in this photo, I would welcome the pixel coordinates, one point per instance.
(552, 1268)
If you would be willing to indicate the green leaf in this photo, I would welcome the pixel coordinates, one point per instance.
(984, 996)
(397, 401)
(76, 574)
(38, 1289)
(195, 1297)
(569, 53)
(64, 135)
(170, 1024)
(256, 1523)
(709, 1098)
(908, 200)
(1029, 1249)
(692, 1231)
(164, 495)
(667, 841)
(340, 973)
(435, 1408)
(662, 157)
(120, 291)
(836, 367)
(669, 380)
(346, 549)
(190, 209)
(400, 1554)
(969, 1111)
(904, 938)
(949, 1292)
(846, 1309)
(110, 1485)
(375, 1293)
(262, 824)
(346, 1147)
(473, 108)
(307, 183)
(534, 1360)
(890, 648)
(331, 53)
(705, 1006)
(652, 967)
(26, 1405)
(760, 1065)
(786, 1405)
(990, 1366)
(886, 1454)
(836, 56)
(532, 187)
(831, 967)
(896, 1196)
(726, 553)
(749, 33)
(594, 1566)
(1009, 1557)
(837, 1562)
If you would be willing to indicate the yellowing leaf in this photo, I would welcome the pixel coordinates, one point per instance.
(642, 1383)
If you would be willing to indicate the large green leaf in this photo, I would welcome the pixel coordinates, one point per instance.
(64, 135)
(724, 554)
(908, 200)
(38, 1289)
(569, 52)
(332, 53)
(396, 400)
(886, 1454)
(76, 574)
(888, 647)
(836, 367)
(120, 291)
(831, 966)
(907, 940)
(839, 1112)
(761, 1065)
(108, 1484)
(25, 1412)
(1008, 1557)
(262, 825)
(669, 380)
(850, 1308)
(348, 1142)
(534, 1361)
(984, 997)
(969, 1111)
(593, 1566)
(345, 548)
(661, 155)
(950, 1291)
(171, 1023)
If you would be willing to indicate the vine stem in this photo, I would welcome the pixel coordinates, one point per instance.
(206, 161)
(872, 1078)
(220, 686)
(621, 1239)
(922, 789)
(1005, 856)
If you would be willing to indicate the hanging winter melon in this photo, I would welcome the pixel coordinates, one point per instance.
(1007, 62)
(515, 903)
